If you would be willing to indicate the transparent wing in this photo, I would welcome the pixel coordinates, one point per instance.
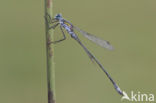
(98, 41)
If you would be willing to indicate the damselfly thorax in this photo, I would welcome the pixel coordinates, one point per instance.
(69, 28)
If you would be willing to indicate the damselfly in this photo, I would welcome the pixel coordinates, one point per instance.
(58, 20)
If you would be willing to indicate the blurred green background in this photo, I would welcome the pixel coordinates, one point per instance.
(130, 26)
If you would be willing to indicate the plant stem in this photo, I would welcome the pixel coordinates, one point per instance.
(50, 55)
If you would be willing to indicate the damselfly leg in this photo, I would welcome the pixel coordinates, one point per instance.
(49, 21)
(54, 26)
(64, 36)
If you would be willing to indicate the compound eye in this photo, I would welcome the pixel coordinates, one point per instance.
(59, 15)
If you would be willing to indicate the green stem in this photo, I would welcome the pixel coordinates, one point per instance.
(50, 55)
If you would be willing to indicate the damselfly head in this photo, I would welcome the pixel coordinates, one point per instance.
(58, 16)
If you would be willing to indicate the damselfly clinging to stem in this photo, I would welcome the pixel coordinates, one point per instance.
(58, 20)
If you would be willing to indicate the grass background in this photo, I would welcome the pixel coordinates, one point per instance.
(128, 25)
